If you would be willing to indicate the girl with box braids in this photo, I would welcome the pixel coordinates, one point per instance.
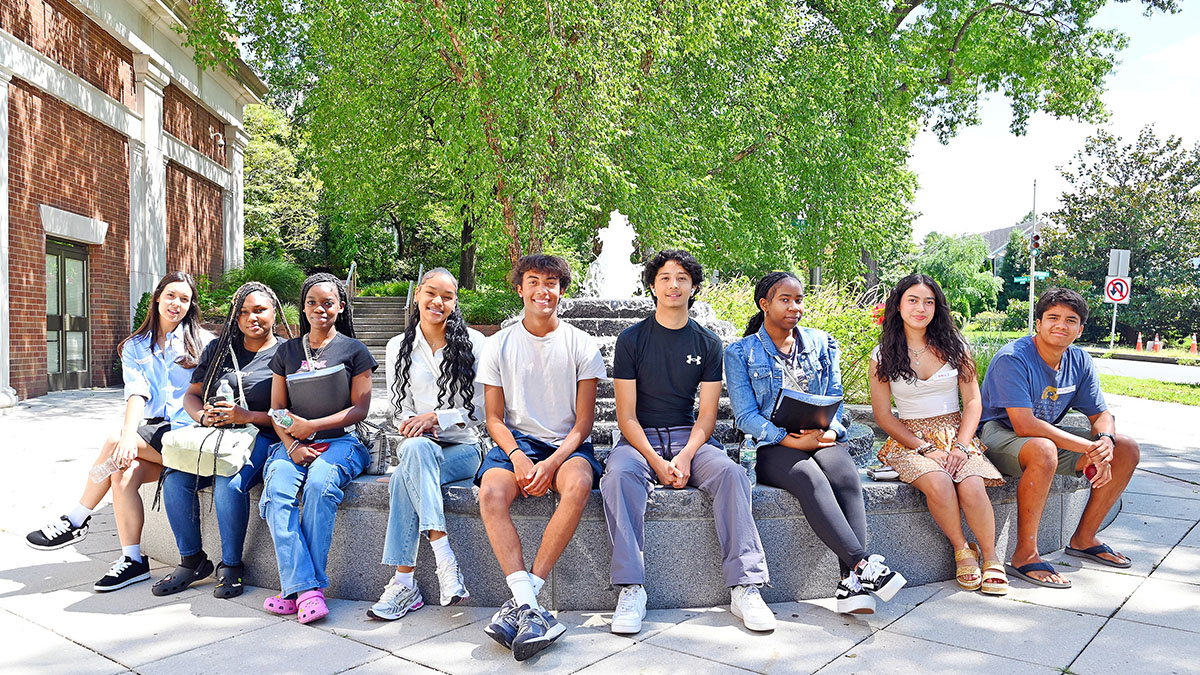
(231, 333)
(345, 318)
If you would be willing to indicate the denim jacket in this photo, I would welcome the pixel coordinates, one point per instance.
(754, 379)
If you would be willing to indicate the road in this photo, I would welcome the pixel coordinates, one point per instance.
(1167, 372)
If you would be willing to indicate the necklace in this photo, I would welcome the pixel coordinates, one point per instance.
(916, 355)
(310, 355)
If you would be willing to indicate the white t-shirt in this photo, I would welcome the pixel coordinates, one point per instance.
(921, 399)
(539, 376)
(454, 420)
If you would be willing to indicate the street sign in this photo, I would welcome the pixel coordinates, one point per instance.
(1118, 262)
(1041, 275)
(1117, 290)
(1021, 280)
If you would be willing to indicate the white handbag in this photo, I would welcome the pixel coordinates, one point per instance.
(208, 451)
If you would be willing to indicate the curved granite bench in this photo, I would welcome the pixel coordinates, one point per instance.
(682, 557)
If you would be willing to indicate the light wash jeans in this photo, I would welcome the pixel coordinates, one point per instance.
(302, 534)
(416, 486)
(231, 496)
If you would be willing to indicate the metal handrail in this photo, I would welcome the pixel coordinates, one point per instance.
(351, 279)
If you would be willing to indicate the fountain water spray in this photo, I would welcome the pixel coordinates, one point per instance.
(611, 275)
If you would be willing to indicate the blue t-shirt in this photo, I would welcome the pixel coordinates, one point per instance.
(1018, 378)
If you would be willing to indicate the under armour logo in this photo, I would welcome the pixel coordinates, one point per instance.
(693, 359)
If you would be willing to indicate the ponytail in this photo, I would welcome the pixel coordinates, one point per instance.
(762, 291)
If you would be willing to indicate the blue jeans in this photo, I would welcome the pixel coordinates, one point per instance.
(231, 496)
(416, 486)
(302, 534)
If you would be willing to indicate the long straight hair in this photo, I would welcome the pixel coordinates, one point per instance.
(456, 382)
(190, 322)
(231, 332)
(941, 335)
(344, 323)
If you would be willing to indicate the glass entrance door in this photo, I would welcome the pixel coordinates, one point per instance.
(67, 339)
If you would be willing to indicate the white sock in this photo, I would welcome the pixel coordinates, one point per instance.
(442, 552)
(522, 588)
(537, 582)
(78, 515)
(133, 552)
(405, 578)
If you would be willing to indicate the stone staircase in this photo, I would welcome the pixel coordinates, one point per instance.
(377, 320)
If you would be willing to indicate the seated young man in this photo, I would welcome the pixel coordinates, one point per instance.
(659, 364)
(539, 378)
(1030, 385)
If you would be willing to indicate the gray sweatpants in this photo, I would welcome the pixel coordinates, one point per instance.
(626, 485)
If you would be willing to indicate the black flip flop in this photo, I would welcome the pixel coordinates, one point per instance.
(1094, 552)
(1024, 572)
(229, 581)
(181, 578)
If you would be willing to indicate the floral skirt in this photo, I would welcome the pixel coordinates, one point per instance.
(942, 431)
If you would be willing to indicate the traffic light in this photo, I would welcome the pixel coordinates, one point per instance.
(1035, 244)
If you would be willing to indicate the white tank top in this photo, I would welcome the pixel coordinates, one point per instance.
(921, 399)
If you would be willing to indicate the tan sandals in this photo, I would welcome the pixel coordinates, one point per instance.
(961, 572)
(993, 579)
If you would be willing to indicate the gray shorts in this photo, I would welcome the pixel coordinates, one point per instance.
(1004, 449)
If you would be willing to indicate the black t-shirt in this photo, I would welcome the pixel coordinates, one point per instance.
(256, 376)
(669, 366)
(344, 350)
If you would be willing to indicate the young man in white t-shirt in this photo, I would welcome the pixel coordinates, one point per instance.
(539, 378)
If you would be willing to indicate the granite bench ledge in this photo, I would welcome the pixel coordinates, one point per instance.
(682, 555)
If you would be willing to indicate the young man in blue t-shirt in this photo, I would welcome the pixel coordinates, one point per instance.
(659, 365)
(1031, 383)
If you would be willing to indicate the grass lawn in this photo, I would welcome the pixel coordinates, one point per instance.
(1005, 335)
(1155, 390)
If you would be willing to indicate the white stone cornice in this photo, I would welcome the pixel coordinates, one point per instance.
(72, 226)
(236, 137)
(195, 161)
(151, 70)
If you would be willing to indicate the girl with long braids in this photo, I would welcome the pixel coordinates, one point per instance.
(156, 364)
(315, 458)
(814, 465)
(438, 409)
(243, 352)
(923, 363)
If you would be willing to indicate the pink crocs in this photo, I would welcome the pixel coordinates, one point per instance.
(311, 605)
(279, 605)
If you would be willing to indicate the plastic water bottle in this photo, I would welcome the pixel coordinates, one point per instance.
(748, 456)
(225, 392)
(282, 417)
(103, 470)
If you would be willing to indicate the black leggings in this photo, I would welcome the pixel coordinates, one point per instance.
(827, 483)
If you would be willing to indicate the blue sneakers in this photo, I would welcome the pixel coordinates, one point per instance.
(537, 630)
(504, 626)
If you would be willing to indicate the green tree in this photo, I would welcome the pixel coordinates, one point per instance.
(1140, 196)
(959, 265)
(760, 133)
(1015, 264)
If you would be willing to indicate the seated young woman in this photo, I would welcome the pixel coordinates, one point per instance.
(438, 409)
(814, 464)
(315, 458)
(922, 362)
(241, 358)
(156, 365)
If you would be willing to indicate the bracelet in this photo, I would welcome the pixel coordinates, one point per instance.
(960, 446)
(1105, 434)
(510, 453)
(924, 448)
(292, 447)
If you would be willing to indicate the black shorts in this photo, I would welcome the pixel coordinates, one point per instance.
(152, 431)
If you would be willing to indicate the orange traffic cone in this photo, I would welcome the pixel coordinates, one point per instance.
(1139, 342)
(1157, 343)
(1192, 349)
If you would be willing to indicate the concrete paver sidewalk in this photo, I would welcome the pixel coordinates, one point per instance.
(1145, 619)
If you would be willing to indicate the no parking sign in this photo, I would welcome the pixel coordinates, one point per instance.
(1117, 290)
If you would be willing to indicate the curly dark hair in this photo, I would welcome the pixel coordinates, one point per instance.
(941, 335)
(190, 321)
(231, 333)
(765, 290)
(344, 323)
(550, 265)
(686, 260)
(457, 379)
(1061, 296)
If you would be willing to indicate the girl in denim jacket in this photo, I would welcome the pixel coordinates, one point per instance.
(814, 465)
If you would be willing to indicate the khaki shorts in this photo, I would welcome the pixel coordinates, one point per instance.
(1004, 449)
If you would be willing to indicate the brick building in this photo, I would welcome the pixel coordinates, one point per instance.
(119, 161)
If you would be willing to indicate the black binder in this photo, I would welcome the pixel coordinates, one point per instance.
(797, 411)
(319, 393)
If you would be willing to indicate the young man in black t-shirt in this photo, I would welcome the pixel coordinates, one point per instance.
(659, 364)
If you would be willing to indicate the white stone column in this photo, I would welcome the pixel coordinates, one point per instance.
(147, 183)
(236, 140)
(8, 396)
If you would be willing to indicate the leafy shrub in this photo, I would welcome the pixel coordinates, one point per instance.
(984, 348)
(282, 276)
(732, 300)
(488, 307)
(848, 315)
(371, 245)
(389, 289)
(139, 314)
(1016, 316)
(988, 321)
(210, 296)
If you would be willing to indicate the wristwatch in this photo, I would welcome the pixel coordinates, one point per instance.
(924, 448)
(1106, 434)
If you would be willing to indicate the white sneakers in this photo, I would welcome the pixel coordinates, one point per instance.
(747, 604)
(631, 609)
(450, 584)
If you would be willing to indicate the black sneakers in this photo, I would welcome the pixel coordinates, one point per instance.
(124, 572)
(537, 629)
(852, 598)
(504, 626)
(57, 534)
(878, 578)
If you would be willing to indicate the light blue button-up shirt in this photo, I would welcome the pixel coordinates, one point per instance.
(154, 375)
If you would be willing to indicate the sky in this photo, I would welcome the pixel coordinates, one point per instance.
(983, 179)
